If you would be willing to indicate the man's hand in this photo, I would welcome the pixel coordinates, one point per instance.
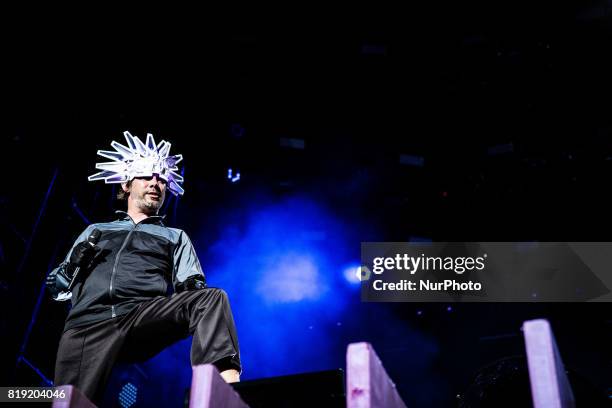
(59, 279)
(83, 253)
(193, 282)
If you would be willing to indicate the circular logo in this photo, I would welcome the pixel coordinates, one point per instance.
(363, 273)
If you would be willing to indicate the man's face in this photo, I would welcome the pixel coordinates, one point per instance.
(147, 193)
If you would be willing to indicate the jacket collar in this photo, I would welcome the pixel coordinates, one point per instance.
(153, 219)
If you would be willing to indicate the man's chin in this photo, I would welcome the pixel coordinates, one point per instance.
(154, 205)
(150, 206)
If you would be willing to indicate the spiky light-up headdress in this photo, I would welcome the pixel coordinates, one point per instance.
(140, 160)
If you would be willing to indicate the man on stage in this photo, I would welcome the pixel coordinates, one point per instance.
(136, 285)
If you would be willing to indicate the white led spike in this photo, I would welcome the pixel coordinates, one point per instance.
(139, 159)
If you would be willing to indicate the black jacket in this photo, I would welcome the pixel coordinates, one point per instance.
(136, 262)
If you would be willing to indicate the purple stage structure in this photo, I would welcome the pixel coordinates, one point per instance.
(368, 385)
(550, 387)
(209, 390)
(73, 399)
(367, 382)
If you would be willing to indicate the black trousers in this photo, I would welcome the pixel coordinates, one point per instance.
(86, 355)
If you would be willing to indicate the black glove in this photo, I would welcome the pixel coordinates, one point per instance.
(59, 279)
(83, 253)
(193, 282)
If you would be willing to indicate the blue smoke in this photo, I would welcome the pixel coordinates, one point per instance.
(281, 264)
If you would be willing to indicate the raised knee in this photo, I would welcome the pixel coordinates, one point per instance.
(220, 292)
(213, 294)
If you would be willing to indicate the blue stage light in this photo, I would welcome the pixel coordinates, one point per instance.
(352, 273)
(128, 395)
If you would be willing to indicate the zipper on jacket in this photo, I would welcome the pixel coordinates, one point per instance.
(114, 272)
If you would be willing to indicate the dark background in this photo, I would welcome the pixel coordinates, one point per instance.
(508, 103)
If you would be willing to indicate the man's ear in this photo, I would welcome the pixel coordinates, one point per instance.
(125, 187)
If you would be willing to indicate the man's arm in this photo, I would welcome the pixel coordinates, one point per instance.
(187, 274)
(59, 278)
